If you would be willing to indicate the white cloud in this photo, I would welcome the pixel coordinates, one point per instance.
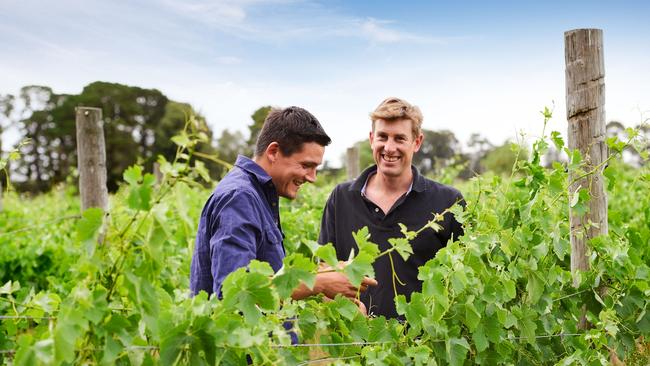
(247, 19)
(228, 60)
(376, 31)
(210, 12)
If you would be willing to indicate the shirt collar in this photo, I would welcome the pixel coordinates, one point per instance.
(360, 184)
(253, 168)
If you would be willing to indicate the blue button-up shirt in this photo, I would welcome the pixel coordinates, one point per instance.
(239, 222)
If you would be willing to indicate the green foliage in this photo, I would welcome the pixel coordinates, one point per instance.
(138, 126)
(500, 294)
(501, 159)
(254, 128)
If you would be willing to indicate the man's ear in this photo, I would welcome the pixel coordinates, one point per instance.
(272, 151)
(418, 141)
(371, 136)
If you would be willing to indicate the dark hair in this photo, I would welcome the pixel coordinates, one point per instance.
(290, 128)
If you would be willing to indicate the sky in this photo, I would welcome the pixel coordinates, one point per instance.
(471, 66)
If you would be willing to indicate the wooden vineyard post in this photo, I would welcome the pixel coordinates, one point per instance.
(157, 173)
(352, 162)
(585, 106)
(91, 156)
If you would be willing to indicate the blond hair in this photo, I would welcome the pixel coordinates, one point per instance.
(392, 109)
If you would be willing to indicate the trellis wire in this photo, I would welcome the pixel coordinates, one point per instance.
(25, 317)
(344, 344)
(328, 359)
(34, 227)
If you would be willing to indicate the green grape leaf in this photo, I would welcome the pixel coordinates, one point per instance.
(250, 291)
(89, 228)
(472, 316)
(457, 349)
(359, 267)
(458, 281)
(534, 287)
(172, 345)
(493, 329)
(526, 323)
(328, 254)
(297, 268)
(362, 238)
(345, 307)
(415, 310)
(421, 355)
(402, 246)
(89, 224)
(133, 175)
(181, 139)
(510, 288)
(615, 144)
(557, 139)
(480, 339)
(433, 286)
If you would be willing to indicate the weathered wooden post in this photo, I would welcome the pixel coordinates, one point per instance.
(585, 106)
(157, 173)
(352, 162)
(91, 156)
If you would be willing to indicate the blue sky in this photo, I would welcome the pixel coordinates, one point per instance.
(486, 67)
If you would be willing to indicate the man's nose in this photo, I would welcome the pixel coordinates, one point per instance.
(311, 175)
(389, 146)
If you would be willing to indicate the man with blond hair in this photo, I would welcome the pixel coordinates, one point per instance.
(387, 194)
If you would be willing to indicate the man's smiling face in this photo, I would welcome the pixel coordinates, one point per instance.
(393, 146)
(290, 172)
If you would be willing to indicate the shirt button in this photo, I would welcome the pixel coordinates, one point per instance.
(273, 204)
(376, 209)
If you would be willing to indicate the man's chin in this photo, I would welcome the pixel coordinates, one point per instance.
(393, 171)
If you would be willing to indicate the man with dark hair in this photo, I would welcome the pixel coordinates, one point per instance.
(390, 193)
(241, 219)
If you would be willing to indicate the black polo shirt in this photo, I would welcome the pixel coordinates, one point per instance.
(348, 210)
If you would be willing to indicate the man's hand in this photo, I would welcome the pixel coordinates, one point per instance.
(362, 307)
(332, 283)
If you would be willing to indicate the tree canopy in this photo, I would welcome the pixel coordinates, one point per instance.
(138, 125)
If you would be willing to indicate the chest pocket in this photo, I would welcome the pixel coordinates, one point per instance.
(272, 236)
(271, 249)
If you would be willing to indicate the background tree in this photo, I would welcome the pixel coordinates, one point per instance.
(229, 145)
(254, 128)
(174, 120)
(138, 124)
(438, 150)
(478, 146)
(631, 154)
(45, 159)
(6, 110)
(501, 159)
